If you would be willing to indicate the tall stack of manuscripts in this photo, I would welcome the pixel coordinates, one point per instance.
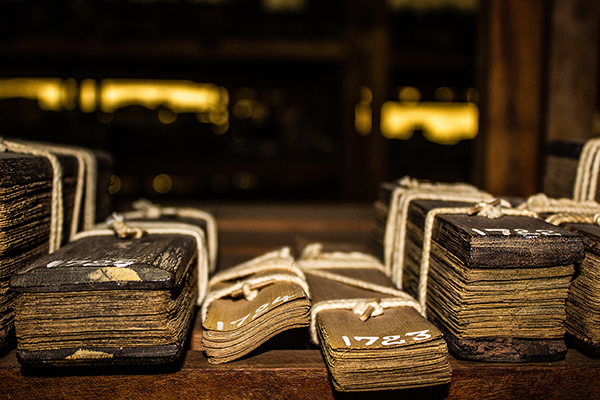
(494, 282)
(47, 194)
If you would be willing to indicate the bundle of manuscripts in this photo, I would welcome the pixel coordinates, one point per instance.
(372, 335)
(573, 173)
(123, 292)
(47, 194)
(494, 279)
(251, 303)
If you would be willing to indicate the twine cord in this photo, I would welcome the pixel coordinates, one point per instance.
(147, 210)
(586, 180)
(249, 287)
(313, 261)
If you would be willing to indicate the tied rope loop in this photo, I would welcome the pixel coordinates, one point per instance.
(315, 262)
(117, 223)
(541, 203)
(395, 238)
(148, 210)
(586, 180)
(482, 210)
(279, 260)
(87, 177)
(56, 213)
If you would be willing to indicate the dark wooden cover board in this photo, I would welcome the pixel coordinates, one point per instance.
(107, 262)
(509, 241)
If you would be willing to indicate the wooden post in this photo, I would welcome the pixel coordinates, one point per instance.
(511, 96)
(573, 69)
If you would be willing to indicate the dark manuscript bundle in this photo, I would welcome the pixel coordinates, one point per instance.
(496, 285)
(372, 335)
(46, 196)
(251, 303)
(105, 300)
(583, 303)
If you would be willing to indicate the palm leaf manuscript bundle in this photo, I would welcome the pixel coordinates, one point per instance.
(47, 194)
(251, 303)
(496, 285)
(102, 299)
(583, 302)
(372, 335)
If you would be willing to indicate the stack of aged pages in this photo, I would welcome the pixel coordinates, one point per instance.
(493, 279)
(251, 303)
(108, 299)
(47, 194)
(583, 303)
(372, 336)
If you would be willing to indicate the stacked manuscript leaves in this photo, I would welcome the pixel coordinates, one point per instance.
(106, 300)
(251, 303)
(583, 303)
(372, 335)
(495, 285)
(44, 199)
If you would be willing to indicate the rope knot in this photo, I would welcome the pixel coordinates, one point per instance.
(408, 182)
(489, 209)
(117, 223)
(151, 210)
(367, 309)
(312, 251)
(3, 147)
(250, 290)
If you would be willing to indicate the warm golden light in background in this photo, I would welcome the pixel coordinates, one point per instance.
(162, 183)
(362, 112)
(50, 93)
(178, 96)
(443, 123)
(87, 95)
(209, 102)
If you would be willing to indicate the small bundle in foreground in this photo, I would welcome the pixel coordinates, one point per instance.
(494, 279)
(372, 335)
(251, 303)
(104, 299)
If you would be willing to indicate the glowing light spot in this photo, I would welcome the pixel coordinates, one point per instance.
(443, 94)
(443, 123)
(166, 116)
(87, 95)
(48, 92)
(244, 180)
(162, 183)
(115, 184)
(409, 93)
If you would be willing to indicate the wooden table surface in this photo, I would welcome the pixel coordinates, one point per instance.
(274, 371)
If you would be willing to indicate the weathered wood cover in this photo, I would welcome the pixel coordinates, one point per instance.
(104, 300)
(496, 287)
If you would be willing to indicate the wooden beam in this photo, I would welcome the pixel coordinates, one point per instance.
(511, 96)
(573, 69)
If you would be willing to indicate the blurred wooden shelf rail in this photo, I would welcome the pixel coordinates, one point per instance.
(295, 374)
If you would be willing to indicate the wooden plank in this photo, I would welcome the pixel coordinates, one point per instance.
(285, 374)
